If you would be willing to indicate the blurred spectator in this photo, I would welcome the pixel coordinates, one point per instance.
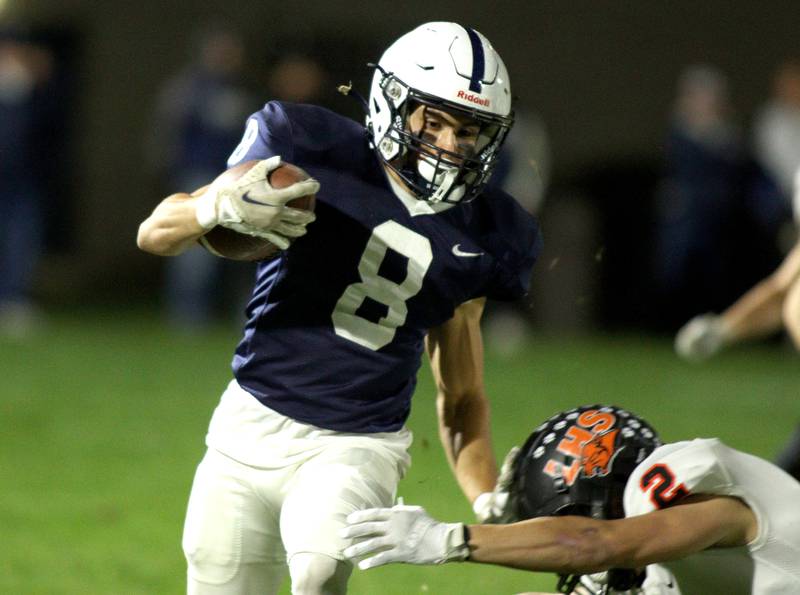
(701, 197)
(777, 128)
(307, 67)
(25, 73)
(296, 77)
(524, 167)
(198, 123)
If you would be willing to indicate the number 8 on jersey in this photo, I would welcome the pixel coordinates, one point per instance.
(374, 335)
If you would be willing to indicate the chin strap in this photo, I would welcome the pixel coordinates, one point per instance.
(444, 188)
(445, 182)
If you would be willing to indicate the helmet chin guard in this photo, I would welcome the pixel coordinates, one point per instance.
(450, 68)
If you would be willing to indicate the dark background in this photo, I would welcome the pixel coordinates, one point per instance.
(600, 74)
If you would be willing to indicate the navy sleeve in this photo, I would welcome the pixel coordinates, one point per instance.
(266, 134)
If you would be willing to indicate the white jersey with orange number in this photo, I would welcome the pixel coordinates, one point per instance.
(770, 564)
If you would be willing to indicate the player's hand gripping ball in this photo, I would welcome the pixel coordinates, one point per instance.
(268, 211)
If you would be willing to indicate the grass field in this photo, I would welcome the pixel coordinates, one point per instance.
(102, 419)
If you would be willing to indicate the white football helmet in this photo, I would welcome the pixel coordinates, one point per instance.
(446, 67)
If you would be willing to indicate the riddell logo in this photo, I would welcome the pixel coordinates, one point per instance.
(472, 98)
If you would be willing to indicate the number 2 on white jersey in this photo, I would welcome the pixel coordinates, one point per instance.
(374, 335)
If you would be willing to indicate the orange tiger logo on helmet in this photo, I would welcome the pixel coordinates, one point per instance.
(589, 444)
(598, 453)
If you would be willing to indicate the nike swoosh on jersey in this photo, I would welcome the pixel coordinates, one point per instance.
(253, 201)
(459, 252)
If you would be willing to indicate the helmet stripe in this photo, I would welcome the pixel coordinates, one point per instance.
(478, 61)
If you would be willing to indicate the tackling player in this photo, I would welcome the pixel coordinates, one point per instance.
(772, 304)
(407, 244)
(601, 493)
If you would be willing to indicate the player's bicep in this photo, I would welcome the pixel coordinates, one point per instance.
(456, 351)
(699, 522)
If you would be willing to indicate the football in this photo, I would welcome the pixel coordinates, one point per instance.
(231, 244)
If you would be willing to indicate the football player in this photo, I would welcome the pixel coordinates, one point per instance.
(405, 244)
(769, 306)
(600, 494)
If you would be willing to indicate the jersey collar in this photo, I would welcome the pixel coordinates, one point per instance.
(414, 205)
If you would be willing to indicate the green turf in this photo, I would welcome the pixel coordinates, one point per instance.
(102, 419)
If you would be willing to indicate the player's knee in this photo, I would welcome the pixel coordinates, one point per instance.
(317, 574)
(208, 566)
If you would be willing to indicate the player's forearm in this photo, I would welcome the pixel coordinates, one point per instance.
(763, 310)
(466, 438)
(171, 228)
(791, 314)
(575, 544)
(553, 544)
(757, 313)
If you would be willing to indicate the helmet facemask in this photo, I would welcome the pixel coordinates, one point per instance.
(431, 172)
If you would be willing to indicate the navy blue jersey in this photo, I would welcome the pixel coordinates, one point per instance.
(336, 323)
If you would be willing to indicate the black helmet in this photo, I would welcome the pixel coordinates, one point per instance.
(578, 463)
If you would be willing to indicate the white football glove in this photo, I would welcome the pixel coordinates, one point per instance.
(492, 507)
(701, 337)
(403, 534)
(251, 206)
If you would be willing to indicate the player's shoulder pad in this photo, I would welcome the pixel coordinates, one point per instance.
(316, 129)
(676, 470)
(298, 132)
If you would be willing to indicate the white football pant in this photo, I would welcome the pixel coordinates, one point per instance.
(285, 503)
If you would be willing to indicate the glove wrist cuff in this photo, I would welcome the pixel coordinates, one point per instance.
(456, 547)
(206, 210)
